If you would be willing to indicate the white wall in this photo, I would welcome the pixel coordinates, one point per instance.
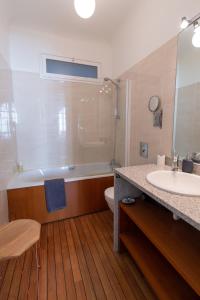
(4, 31)
(7, 127)
(27, 46)
(149, 25)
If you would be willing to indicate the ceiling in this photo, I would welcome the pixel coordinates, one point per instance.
(58, 16)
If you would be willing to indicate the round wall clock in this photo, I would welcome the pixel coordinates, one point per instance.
(154, 103)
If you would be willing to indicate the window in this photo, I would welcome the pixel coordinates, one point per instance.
(69, 69)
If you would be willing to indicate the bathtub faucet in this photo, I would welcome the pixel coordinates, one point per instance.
(71, 168)
(19, 167)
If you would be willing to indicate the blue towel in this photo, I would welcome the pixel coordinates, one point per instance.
(55, 194)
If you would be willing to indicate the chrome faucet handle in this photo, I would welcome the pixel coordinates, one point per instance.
(177, 158)
(175, 162)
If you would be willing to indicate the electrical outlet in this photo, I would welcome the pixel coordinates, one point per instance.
(144, 150)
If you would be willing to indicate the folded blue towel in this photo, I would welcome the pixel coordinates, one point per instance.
(55, 194)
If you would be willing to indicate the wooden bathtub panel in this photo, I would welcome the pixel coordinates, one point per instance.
(83, 197)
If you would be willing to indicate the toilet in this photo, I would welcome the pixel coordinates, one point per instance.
(109, 197)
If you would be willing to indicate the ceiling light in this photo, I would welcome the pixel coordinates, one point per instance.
(85, 8)
(184, 23)
(196, 36)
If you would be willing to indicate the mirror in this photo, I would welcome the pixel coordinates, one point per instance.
(187, 103)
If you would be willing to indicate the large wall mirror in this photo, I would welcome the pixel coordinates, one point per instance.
(187, 104)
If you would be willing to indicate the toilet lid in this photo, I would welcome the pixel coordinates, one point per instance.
(110, 192)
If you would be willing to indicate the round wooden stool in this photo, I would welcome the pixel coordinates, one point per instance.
(18, 236)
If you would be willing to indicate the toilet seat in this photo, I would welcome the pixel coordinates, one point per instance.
(109, 196)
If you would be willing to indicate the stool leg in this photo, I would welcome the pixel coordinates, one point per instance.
(37, 267)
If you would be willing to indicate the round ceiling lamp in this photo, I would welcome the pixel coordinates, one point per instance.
(85, 8)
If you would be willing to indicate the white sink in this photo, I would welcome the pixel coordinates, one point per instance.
(175, 182)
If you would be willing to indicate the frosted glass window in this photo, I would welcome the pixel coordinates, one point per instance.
(71, 69)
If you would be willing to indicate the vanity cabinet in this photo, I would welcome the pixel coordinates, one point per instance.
(166, 251)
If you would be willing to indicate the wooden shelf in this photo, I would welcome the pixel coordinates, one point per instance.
(177, 241)
(164, 280)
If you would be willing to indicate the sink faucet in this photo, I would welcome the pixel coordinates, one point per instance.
(175, 161)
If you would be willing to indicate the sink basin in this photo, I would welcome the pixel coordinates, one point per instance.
(175, 182)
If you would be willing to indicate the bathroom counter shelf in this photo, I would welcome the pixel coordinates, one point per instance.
(166, 251)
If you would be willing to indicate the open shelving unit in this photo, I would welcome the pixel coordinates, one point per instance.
(166, 251)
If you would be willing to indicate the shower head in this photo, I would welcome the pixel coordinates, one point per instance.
(113, 82)
(107, 79)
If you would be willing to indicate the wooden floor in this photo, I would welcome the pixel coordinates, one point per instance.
(77, 262)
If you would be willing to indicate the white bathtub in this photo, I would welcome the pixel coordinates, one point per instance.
(69, 173)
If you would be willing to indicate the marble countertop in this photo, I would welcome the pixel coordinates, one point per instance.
(187, 208)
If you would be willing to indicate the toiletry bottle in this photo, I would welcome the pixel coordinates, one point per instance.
(187, 164)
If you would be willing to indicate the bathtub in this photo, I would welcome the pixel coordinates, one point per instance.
(84, 191)
(69, 173)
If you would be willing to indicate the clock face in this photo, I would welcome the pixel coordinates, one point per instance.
(154, 103)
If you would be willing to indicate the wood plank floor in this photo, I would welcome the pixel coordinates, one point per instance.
(77, 262)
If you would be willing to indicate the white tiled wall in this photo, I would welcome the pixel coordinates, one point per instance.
(7, 135)
(61, 123)
(7, 116)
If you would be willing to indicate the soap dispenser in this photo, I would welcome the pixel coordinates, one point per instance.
(187, 164)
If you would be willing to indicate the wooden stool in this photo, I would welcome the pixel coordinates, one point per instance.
(18, 236)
